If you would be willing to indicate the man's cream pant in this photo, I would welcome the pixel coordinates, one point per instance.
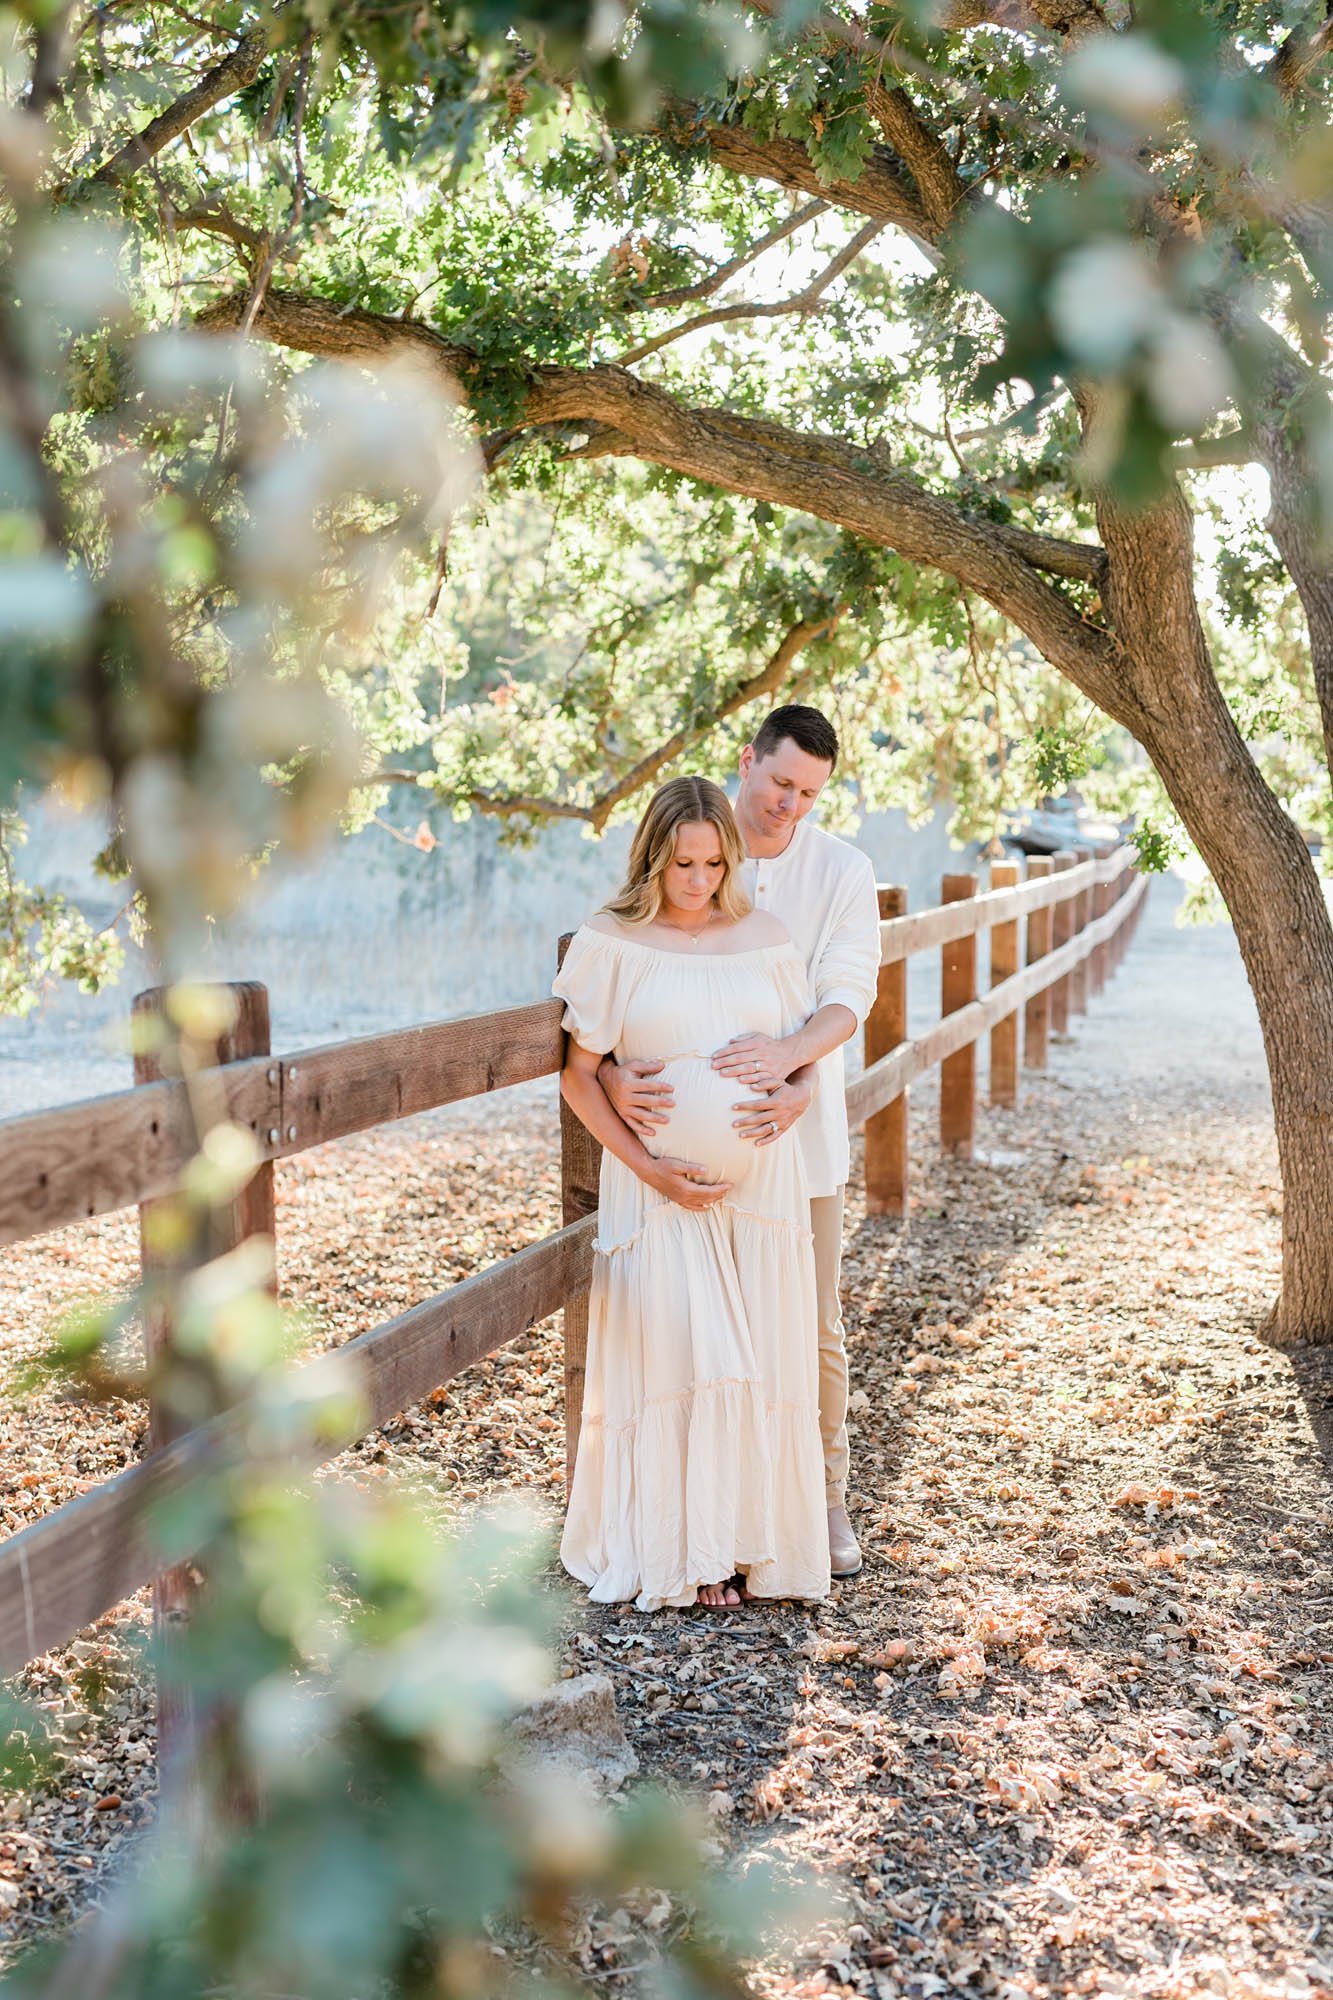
(826, 1227)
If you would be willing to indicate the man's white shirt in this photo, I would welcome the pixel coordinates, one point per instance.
(823, 890)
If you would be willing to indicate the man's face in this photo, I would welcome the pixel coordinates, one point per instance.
(778, 790)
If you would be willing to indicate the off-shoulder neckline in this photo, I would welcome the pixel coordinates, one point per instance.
(688, 957)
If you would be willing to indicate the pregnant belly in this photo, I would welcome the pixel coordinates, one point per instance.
(699, 1126)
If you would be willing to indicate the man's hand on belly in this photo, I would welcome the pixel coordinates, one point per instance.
(765, 1119)
(636, 1098)
(757, 1061)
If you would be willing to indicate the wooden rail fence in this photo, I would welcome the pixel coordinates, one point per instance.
(128, 1148)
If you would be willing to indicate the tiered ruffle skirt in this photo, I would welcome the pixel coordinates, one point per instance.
(700, 1450)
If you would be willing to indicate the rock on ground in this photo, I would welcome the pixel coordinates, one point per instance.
(574, 1732)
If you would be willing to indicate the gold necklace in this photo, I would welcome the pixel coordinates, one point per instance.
(693, 936)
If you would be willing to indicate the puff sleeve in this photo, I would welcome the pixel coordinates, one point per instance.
(595, 983)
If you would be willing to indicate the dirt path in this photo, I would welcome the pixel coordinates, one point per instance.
(1070, 1732)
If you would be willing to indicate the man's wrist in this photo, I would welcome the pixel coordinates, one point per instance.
(794, 1053)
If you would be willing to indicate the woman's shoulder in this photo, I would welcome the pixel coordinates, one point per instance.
(761, 930)
(602, 924)
(603, 936)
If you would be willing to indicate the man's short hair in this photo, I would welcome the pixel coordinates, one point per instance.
(808, 728)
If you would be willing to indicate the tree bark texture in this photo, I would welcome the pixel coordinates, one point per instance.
(1285, 439)
(1262, 869)
(1292, 517)
(234, 72)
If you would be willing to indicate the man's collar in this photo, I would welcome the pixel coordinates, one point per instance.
(797, 835)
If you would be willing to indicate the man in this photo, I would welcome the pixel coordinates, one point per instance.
(823, 890)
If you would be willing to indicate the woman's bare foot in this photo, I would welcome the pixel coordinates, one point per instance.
(720, 1596)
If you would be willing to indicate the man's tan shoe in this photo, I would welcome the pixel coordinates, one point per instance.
(843, 1548)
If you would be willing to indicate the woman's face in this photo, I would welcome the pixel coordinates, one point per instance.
(694, 873)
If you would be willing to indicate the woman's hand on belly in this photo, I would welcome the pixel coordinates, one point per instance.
(764, 1119)
(686, 1184)
(756, 1062)
(700, 1127)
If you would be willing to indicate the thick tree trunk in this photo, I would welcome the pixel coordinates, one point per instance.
(1286, 426)
(1262, 869)
(1268, 882)
(1293, 523)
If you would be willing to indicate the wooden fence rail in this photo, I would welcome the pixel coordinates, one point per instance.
(63, 1572)
(124, 1149)
(926, 929)
(67, 1569)
(894, 1072)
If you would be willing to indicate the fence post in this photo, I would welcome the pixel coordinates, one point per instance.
(1078, 978)
(580, 1172)
(885, 1028)
(1062, 930)
(1004, 944)
(250, 1215)
(1101, 903)
(1122, 936)
(1036, 1028)
(1137, 918)
(958, 987)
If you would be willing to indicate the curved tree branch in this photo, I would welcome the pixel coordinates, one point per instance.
(1299, 55)
(236, 71)
(882, 191)
(1282, 435)
(220, 221)
(939, 183)
(705, 287)
(801, 302)
(1233, 447)
(1065, 20)
(817, 475)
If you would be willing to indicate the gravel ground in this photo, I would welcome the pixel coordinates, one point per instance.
(1069, 1733)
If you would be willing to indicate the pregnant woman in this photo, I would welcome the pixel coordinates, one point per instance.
(700, 1470)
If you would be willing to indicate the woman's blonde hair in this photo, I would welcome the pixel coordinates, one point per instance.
(680, 802)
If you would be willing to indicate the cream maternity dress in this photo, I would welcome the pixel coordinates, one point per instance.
(700, 1451)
